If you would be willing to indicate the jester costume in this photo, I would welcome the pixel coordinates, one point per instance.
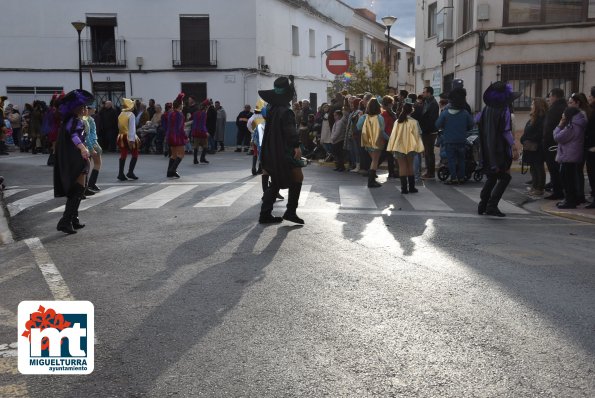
(127, 140)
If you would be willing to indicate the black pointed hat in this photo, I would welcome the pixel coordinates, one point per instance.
(281, 94)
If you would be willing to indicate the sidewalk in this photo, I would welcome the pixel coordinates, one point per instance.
(578, 214)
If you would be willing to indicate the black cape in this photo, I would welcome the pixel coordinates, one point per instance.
(279, 140)
(495, 151)
(69, 162)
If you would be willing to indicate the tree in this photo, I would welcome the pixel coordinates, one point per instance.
(368, 77)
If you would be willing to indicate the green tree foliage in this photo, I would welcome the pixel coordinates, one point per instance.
(368, 77)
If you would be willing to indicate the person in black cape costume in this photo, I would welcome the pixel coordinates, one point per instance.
(496, 139)
(281, 152)
(72, 158)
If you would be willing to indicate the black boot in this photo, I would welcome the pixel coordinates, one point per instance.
(170, 167)
(51, 159)
(404, 188)
(497, 192)
(130, 173)
(254, 160)
(292, 203)
(177, 162)
(3, 148)
(76, 223)
(203, 155)
(372, 183)
(71, 210)
(266, 209)
(65, 223)
(93, 180)
(195, 156)
(121, 175)
(264, 179)
(412, 188)
(486, 192)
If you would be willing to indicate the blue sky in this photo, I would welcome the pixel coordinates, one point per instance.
(404, 10)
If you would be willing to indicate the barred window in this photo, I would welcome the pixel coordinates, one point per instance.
(542, 12)
(536, 80)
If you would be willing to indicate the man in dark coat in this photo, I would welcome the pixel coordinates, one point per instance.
(557, 105)
(109, 126)
(243, 137)
(280, 152)
(212, 127)
(495, 135)
(427, 122)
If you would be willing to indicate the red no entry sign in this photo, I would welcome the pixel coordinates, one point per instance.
(337, 62)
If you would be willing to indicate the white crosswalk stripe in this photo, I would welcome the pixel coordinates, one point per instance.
(18, 206)
(426, 200)
(305, 192)
(160, 198)
(504, 206)
(101, 197)
(356, 197)
(224, 197)
(344, 198)
(9, 192)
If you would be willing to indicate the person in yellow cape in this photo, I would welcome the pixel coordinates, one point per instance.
(373, 137)
(405, 142)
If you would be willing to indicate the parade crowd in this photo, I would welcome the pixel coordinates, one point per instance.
(357, 132)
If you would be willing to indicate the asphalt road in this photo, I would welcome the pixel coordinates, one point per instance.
(370, 298)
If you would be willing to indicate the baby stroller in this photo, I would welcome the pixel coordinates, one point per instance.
(472, 168)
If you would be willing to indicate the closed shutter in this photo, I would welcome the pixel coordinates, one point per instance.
(195, 41)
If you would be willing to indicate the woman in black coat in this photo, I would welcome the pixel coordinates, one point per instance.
(532, 140)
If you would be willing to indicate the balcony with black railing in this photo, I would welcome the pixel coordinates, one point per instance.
(103, 53)
(194, 53)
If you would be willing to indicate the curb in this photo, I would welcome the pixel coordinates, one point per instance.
(5, 232)
(579, 214)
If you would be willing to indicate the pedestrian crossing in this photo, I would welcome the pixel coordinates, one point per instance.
(434, 199)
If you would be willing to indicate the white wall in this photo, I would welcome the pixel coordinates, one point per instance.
(147, 26)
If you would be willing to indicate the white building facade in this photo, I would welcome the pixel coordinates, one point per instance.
(224, 50)
(535, 45)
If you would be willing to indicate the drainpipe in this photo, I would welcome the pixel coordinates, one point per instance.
(479, 70)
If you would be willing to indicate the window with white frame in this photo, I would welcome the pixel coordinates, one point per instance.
(295, 40)
(329, 41)
(542, 12)
(312, 35)
(432, 11)
(468, 7)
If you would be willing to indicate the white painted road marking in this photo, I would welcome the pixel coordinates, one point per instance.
(50, 273)
(504, 206)
(158, 199)
(99, 198)
(426, 200)
(356, 197)
(9, 192)
(18, 206)
(224, 197)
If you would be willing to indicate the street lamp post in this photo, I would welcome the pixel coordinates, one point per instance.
(79, 26)
(388, 22)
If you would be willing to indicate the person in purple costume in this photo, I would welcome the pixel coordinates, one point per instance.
(72, 158)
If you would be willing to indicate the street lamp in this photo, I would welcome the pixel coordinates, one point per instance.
(388, 22)
(79, 26)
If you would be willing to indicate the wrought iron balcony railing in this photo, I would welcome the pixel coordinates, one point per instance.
(103, 53)
(194, 53)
